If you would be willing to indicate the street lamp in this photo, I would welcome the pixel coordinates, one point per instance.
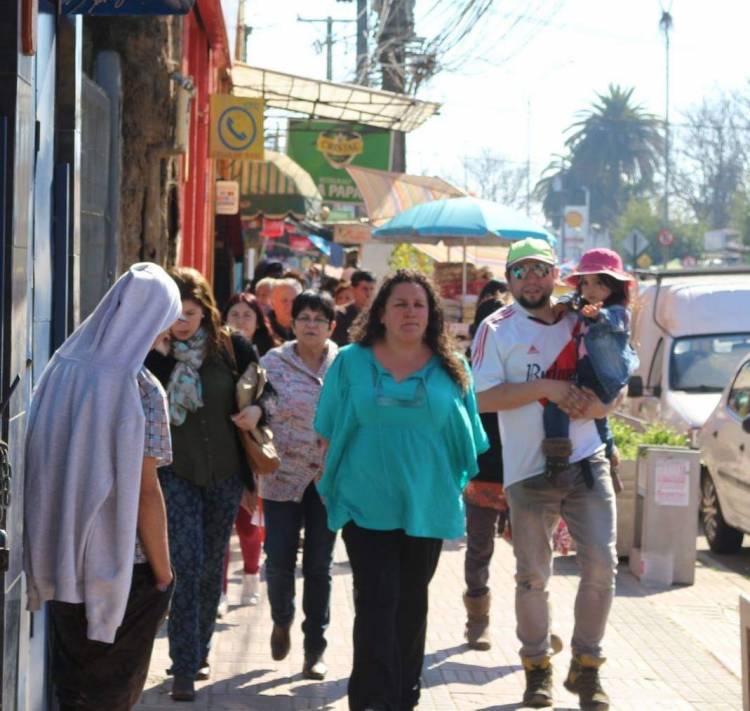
(665, 24)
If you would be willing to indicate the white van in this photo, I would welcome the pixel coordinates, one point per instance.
(690, 330)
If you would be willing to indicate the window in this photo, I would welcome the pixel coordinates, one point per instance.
(739, 396)
(706, 363)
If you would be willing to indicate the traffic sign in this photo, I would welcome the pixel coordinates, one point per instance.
(644, 261)
(666, 238)
(236, 127)
(634, 243)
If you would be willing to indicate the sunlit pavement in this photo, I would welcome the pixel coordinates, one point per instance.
(673, 649)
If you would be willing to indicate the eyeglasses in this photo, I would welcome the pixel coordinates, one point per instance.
(306, 321)
(538, 269)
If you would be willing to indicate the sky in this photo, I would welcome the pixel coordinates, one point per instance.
(536, 64)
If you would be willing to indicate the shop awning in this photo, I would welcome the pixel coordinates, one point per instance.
(126, 7)
(386, 194)
(275, 187)
(329, 100)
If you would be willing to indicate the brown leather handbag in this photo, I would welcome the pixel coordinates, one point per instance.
(258, 443)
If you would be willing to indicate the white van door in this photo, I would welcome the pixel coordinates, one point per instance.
(649, 406)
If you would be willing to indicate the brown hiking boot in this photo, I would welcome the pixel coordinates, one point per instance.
(557, 452)
(280, 642)
(583, 679)
(538, 692)
(478, 622)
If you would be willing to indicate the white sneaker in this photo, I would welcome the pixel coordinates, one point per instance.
(223, 607)
(251, 589)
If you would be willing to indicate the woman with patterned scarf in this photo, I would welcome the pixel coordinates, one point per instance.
(209, 475)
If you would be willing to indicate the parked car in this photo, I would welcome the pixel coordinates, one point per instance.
(725, 477)
(690, 329)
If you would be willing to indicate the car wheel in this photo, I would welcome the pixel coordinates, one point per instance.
(721, 537)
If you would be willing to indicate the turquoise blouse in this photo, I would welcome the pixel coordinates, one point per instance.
(400, 453)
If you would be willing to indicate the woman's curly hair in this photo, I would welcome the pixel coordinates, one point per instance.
(368, 329)
(194, 286)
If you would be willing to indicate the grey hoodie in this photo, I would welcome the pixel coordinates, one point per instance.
(84, 453)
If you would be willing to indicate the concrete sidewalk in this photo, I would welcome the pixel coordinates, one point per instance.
(673, 649)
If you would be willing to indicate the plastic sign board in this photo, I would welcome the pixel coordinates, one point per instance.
(236, 127)
(576, 221)
(227, 197)
(125, 7)
(325, 148)
(634, 243)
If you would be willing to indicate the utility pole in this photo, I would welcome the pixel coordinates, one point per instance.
(665, 23)
(396, 30)
(329, 40)
(362, 49)
(240, 41)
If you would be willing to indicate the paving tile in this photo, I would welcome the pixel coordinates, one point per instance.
(668, 649)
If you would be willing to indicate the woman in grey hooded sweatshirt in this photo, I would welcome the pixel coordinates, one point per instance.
(94, 517)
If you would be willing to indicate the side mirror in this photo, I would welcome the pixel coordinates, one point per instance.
(746, 424)
(635, 386)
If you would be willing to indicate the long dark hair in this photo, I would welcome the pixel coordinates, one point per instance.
(264, 338)
(620, 289)
(368, 329)
(195, 287)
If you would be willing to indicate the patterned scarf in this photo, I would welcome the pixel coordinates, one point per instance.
(184, 389)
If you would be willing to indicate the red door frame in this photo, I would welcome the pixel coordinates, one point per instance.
(206, 60)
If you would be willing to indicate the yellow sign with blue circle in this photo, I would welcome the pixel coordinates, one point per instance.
(236, 127)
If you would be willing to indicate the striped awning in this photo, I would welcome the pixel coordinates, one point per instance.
(387, 194)
(275, 188)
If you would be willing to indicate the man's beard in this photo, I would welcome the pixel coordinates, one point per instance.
(533, 305)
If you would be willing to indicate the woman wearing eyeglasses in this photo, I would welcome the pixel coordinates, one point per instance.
(399, 417)
(290, 501)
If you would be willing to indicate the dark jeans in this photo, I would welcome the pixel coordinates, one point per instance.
(557, 423)
(391, 573)
(89, 675)
(200, 521)
(284, 521)
(481, 529)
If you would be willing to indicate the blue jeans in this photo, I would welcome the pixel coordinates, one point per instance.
(557, 423)
(536, 505)
(284, 521)
(200, 520)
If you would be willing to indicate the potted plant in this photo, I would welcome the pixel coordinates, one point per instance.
(628, 438)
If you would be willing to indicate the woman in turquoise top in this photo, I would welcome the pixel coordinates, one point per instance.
(398, 415)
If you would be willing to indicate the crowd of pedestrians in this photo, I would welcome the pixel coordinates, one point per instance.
(138, 467)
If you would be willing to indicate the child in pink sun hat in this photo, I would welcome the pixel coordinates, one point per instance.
(605, 357)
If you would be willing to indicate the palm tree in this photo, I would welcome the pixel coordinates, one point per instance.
(614, 150)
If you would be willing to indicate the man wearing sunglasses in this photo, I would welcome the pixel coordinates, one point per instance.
(523, 356)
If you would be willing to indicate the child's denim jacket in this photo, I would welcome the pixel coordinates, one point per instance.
(612, 357)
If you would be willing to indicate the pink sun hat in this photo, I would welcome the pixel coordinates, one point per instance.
(599, 261)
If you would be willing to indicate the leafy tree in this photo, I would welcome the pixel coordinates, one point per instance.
(641, 214)
(713, 160)
(614, 150)
(407, 256)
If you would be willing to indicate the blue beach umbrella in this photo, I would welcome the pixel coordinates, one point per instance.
(460, 221)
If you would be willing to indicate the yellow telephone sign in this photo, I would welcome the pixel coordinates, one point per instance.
(236, 127)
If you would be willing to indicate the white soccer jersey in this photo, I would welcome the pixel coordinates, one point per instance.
(511, 346)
